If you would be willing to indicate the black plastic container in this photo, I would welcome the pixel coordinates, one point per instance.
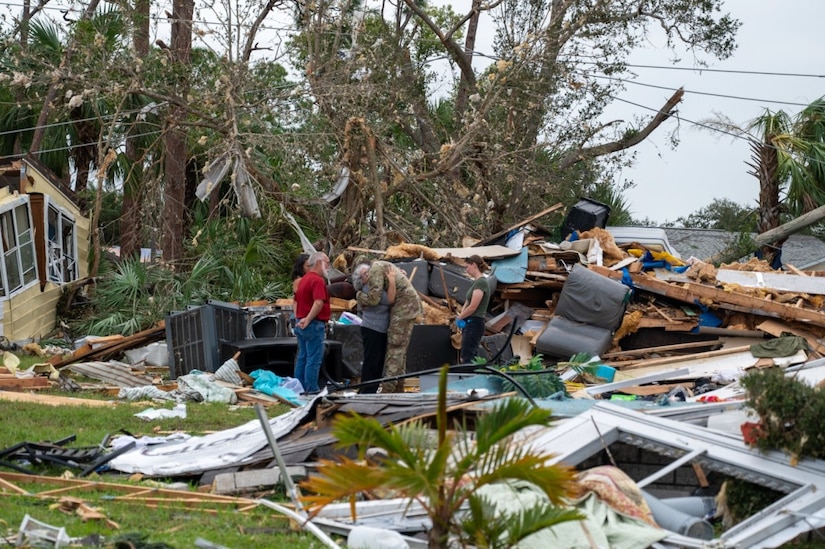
(585, 215)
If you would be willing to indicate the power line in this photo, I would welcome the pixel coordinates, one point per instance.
(68, 147)
(728, 71)
(68, 122)
(694, 92)
(701, 125)
(153, 17)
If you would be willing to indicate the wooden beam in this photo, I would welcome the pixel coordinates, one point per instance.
(518, 225)
(676, 359)
(53, 400)
(662, 349)
(690, 292)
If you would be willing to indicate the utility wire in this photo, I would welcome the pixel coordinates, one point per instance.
(101, 118)
(746, 138)
(694, 92)
(693, 122)
(728, 71)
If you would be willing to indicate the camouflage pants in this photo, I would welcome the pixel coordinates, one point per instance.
(398, 339)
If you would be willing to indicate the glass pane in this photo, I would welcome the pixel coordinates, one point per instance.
(7, 227)
(24, 238)
(21, 214)
(27, 258)
(12, 271)
(69, 251)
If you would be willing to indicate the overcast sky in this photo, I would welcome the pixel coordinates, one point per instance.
(775, 37)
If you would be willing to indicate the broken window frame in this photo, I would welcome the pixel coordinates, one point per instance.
(61, 244)
(19, 265)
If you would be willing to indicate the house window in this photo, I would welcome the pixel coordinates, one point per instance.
(19, 269)
(61, 246)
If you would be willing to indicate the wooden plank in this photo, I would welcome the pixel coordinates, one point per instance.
(548, 276)
(518, 225)
(647, 322)
(112, 349)
(15, 383)
(676, 359)
(661, 349)
(251, 395)
(52, 400)
(647, 390)
(692, 292)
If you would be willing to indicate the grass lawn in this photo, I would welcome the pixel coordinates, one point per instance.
(158, 525)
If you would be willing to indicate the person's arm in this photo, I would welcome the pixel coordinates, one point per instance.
(372, 297)
(471, 306)
(391, 284)
(317, 305)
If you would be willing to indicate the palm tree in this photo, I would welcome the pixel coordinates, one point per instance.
(806, 190)
(788, 156)
(444, 478)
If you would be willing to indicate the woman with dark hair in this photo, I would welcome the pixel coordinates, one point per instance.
(299, 269)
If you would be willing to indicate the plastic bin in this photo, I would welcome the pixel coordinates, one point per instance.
(585, 215)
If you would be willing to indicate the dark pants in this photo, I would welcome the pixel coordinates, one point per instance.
(471, 338)
(375, 350)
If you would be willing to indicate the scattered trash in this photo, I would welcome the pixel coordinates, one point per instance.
(366, 537)
(152, 413)
(34, 533)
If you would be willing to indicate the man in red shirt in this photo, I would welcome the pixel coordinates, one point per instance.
(312, 312)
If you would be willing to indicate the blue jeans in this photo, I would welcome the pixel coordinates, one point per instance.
(471, 338)
(310, 354)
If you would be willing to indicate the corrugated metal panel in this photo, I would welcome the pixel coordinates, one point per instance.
(113, 373)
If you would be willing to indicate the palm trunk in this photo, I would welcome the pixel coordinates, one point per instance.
(131, 239)
(175, 157)
(766, 168)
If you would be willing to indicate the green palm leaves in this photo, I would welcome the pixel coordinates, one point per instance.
(442, 470)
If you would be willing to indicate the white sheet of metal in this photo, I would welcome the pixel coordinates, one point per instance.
(801, 510)
(198, 454)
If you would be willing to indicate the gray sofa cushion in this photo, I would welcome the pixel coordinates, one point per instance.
(564, 338)
(591, 298)
(590, 309)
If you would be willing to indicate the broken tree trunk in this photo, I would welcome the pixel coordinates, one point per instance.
(769, 237)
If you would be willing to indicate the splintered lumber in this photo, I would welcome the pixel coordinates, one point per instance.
(42, 487)
(518, 225)
(52, 400)
(691, 293)
(110, 350)
(257, 397)
(12, 382)
(661, 349)
(697, 364)
(669, 326)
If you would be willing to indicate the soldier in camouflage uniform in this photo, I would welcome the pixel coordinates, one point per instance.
(403, 312)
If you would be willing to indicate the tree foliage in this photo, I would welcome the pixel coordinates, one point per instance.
(388, 105)
(723, 214)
